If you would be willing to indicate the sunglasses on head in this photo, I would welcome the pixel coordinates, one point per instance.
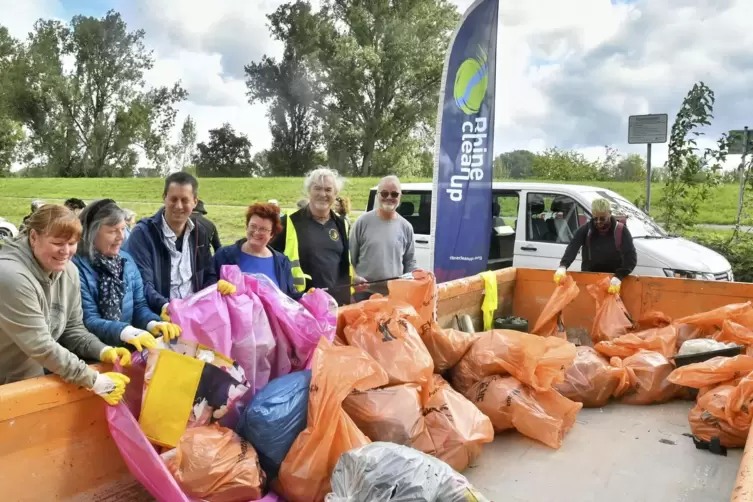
(389, 195)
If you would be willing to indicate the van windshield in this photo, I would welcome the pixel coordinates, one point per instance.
(639, 223)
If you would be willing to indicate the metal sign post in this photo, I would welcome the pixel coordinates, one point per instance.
(739, 144)
(648, 129)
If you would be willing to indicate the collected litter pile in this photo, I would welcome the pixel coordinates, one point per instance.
(265, 398)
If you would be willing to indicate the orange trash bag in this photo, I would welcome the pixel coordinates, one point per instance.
(647, 374)
(349, 314)
(330, 432)
(612, 319)
(393, 414)
(213, 463)
(736, 333)
(550, 322)
(420, 292)
(395, 344)
(534, 360)
(545, 416)
(446, 346)
(591, 380)
(739, 411)
(661, 340)
(708, 324)
(715, 371)
(457, 427)
(652, 320)
(708, 419)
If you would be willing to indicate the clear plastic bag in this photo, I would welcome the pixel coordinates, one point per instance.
(385, 472)
(545, 416)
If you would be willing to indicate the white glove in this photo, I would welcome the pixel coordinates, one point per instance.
(139, 338)
(559, 275)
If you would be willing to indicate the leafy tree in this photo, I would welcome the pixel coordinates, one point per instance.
(184, 150)
(11, 132)
(226, 155)
(631, 168)
(691, 175)
(96, 118)
(379, 64)
(564, 165)
(288, 87)
(518, 164)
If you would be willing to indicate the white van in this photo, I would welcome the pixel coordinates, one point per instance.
(534, 222)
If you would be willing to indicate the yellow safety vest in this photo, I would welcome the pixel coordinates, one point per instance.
(291, 251)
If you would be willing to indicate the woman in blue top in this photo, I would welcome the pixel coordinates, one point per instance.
(254, 255)
(112, 293)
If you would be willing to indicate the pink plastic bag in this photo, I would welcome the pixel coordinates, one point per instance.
(298, 325)
(138, 454)
(253, 345)
(204, 319)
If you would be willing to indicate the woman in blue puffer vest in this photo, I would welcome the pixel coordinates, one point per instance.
(112, 293)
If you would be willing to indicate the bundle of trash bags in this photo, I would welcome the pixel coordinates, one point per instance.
(725, 391)
(197, 399)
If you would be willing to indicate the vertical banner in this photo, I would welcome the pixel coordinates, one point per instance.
(461, 205)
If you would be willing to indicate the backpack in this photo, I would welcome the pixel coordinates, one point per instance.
(618, 229)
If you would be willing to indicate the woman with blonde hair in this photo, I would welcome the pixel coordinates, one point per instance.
(41, 322)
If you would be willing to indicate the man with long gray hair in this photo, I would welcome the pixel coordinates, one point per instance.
(381, 245)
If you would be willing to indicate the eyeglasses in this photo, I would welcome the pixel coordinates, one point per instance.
(389, 195)
(601, 219)
(259, 230)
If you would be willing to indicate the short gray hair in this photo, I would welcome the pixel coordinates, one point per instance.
(129, 214)
(317, 175)
(394, 179)
(109, 214)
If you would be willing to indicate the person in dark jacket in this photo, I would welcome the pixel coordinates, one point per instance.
(315, 239)
(112, 293)
(254, 255)
(171, 250)
(607, 247)
(199, 214)
(75, 205)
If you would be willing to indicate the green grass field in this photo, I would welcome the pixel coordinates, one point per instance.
(143, 195)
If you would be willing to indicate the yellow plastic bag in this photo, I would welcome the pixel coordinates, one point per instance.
(591, 380)
(336, 372)
(551, 321)
(213, 463)
(534, 360)
(393, 414)
(545, 416)
(457, 427)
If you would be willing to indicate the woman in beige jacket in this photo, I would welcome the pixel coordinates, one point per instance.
(41, 324)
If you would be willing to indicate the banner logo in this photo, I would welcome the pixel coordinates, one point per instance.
(471, 82)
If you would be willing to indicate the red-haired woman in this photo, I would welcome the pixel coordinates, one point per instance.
(254, 255)
(41, 321)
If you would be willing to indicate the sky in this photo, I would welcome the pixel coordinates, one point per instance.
(569, 72)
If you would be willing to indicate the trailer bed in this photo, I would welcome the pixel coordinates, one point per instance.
(618, 453)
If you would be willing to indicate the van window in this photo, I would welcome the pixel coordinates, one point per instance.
(416, 208)
(553, 218)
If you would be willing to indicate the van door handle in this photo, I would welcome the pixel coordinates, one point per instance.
(421, 241)
(528, 248)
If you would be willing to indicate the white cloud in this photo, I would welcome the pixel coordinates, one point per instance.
(569, 72)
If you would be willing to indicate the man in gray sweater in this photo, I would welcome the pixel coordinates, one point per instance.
(381, 241)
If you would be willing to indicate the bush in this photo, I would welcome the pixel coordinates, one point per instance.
(737, 250)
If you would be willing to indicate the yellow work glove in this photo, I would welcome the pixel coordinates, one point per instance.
(225, 288)
(168, 331)
(110, 387)
(164, 315)
(139, 338)
(113, 355)
(614, 286)
(560, 275)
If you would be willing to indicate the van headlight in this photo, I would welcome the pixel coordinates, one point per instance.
(687, 274)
